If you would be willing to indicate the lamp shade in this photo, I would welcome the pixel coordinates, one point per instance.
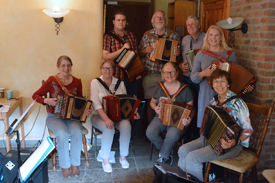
(53, 14)
(235, 23)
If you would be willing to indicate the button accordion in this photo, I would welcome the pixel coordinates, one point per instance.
(172, 113)
(190, 57)
(240, 77)
(118, 107)
(130, 62)
(164, 50)
(72, 107)
(217, 124)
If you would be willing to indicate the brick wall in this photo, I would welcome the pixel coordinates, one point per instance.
(255, 51)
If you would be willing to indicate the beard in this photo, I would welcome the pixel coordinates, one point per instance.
(159, 26)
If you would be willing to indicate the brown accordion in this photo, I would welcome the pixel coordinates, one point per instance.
(164, 50)
(172, 113)
(130, 62)
(118, 107)
(217, 124)
(240, 77)
(72, 107)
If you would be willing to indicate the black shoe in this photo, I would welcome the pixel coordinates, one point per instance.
(166, 160)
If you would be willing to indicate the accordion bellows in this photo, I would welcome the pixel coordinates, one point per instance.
(72, 107)
(118, 107)
(172, 113)
(217, 124)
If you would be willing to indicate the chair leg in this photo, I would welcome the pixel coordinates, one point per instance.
(225, 175)
(206, 175)
(255, 177)
(92, 137)
(241, 178)
(151, 151)
(54, 155)
(95, 145)
(85, 150)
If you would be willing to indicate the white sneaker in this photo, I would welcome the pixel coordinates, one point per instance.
(124, 163)
(107, 168)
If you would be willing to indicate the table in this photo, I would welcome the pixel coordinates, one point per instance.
(5, 116)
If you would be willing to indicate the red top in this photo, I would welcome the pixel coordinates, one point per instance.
(50, 86)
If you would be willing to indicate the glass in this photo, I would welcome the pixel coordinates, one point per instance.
(217, 81)
(107, 68)
(171, 72)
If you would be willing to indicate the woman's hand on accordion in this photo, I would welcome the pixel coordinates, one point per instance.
(50, 101)
(228, 144)
(89, 111)
(136, 116)
(158, 109)
(186, 122)
(109, 123)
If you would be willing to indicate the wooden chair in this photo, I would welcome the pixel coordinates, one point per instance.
(249, 157)
(269, 174)
(53, 137)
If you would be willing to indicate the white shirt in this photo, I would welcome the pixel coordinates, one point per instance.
(98, 91)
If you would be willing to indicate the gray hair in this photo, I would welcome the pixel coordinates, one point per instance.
(194, 17)
(165, 16)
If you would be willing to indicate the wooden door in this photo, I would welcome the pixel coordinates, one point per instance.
(213, 11)
(138, 17)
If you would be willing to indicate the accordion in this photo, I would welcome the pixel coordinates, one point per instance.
(130, 62)
(172, 113)
(217, 124)
(72, 107)
(164, 50)
(240, 77)
(118, 107)
(190, 57)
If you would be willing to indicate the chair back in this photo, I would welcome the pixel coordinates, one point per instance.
(46, 96)
(260, 117)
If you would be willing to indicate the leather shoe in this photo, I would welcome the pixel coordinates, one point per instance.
(66, 172)
(75, 170)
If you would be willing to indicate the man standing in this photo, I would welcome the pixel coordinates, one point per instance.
(150, 81)
(194, 41)
(113, 44)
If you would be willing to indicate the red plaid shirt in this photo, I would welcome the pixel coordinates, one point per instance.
(111, 44)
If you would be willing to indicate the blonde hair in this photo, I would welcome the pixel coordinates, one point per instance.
(63, 57)
(223, 42)
(103, 61)
(172, 65)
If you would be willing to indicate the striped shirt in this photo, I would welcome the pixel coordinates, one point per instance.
(111, 44)
(151, 66)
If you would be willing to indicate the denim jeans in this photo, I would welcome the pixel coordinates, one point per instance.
(124, 127)
(63, 129)
(193, 154)
(165, 145)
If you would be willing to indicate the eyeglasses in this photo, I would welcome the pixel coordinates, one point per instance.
(107, 68)
(221, 81)
(171, 72)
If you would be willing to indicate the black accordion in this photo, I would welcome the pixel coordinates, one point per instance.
(217, 124)
(72, 107)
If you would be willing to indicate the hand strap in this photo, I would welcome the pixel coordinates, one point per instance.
(107, 88)
(55, 78)
(166, 92)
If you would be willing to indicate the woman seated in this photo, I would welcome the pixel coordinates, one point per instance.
(102, 122)
(169, 74)
(63, 129)
(194, 153)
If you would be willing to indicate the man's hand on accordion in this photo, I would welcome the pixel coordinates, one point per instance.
(186, 122)
(228, 144)
(50, 101)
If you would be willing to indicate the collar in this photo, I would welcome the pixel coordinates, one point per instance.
(114, 80)
(125, 33)
(200, 34)
(154, 31)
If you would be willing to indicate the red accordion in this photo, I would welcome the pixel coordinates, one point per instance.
(118, 107)
(240, 77)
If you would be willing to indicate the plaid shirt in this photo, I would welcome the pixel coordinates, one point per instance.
(111, 44)
(151, 66)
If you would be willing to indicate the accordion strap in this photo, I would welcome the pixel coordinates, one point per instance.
(166, 92)
(107, 88)
(228, 100)
(116, 37)
(217, 56)
(156, 37)
(55, 78)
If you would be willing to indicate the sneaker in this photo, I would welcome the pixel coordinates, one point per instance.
(124, 163)
(107, 168)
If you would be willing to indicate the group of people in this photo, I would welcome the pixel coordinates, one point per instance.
(197, 93)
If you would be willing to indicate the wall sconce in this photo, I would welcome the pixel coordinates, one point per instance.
(57, 14)
(230, 24)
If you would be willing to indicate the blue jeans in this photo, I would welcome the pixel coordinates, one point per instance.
(165, 145)
(193, 154)
(63, 129)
